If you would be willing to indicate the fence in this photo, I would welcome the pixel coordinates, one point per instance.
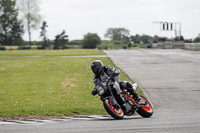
(169, 45)
(192, 46)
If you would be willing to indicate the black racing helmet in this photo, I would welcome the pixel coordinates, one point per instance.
(96, 66)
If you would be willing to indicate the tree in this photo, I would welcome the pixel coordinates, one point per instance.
(61, 40)
(125, 39)
(135, 39)
(117, 33)
(197, 39)
(91, 40)
(11, 29)
(155, 39)
(44, 36)
(17, 32)
(129, 45)
(31, 17)
(144, 39)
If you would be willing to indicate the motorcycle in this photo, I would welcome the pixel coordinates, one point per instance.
(117, 106)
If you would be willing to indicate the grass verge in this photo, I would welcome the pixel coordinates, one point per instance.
(68, 52)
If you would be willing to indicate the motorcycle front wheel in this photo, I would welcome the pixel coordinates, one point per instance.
(145, 110)
(112, 110)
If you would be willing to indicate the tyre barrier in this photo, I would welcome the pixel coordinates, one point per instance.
(12, 47)
(2, 48)
(20, 47)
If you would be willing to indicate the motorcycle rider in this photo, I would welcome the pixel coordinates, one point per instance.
(102, 73)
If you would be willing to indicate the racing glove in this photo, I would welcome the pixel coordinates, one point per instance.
(94, 92)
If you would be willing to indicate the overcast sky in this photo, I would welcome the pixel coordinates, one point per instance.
(78, 17)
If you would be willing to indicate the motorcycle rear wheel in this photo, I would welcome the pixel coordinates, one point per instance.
(112, 110)
(145, 110)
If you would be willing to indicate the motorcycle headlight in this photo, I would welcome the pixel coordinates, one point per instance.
(100, 91)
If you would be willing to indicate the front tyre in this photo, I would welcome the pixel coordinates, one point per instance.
(112, 110)
(145, 110)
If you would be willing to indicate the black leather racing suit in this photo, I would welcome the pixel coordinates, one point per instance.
(111, 72)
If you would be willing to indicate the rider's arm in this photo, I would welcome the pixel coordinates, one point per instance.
(96, 83)
(113, 72)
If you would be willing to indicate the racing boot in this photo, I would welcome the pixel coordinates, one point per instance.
(136, 96)
(139, 99)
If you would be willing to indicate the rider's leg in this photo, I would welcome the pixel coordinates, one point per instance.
(116, 86)
(132, 90)
(129, 87)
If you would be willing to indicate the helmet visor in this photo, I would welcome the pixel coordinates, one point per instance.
(95, 70)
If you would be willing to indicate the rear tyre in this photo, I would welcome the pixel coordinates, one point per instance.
(112, 110)
(145, 110)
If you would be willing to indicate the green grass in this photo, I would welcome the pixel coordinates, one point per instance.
(48, 86)
(68, 52)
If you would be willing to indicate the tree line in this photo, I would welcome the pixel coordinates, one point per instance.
(20, 16)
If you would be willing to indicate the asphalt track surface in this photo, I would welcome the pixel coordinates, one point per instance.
(171, 81)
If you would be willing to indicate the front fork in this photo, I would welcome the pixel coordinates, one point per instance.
(111, 97)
